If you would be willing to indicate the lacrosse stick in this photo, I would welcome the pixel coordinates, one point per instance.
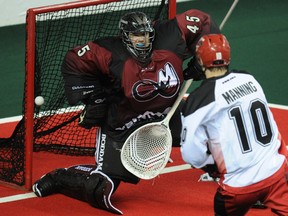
(188, 166)
(228, 14)
(147, 150)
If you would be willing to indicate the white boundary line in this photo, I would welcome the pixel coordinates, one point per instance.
(278, 106)
(10, 119)
(176, 168)
(17, 197)
(32, 195)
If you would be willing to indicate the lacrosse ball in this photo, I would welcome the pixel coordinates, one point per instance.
(39, 100)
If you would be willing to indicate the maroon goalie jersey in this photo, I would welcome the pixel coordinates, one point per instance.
(136, 94)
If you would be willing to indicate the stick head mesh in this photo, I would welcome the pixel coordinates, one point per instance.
(146, 151)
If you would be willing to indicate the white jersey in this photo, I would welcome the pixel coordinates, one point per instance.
(230, 116)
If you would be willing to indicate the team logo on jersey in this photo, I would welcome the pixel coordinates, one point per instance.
(166, 85)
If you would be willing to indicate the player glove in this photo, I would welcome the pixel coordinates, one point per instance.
(194, 70)
(212, 170)
(94, 113)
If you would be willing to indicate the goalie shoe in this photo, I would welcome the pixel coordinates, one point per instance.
(46, 185)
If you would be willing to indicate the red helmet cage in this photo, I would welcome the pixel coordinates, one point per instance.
(213, 50)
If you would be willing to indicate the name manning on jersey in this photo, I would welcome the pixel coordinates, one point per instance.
(238, 92)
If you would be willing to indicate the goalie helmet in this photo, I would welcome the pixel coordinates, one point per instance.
(135, 23)
(213, 50)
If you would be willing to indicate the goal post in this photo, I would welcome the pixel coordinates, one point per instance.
(53, 127)
(31, 19)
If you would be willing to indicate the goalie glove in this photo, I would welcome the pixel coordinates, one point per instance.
(194, 70)
(94, 113)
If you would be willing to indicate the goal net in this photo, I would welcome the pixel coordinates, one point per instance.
(50, 32)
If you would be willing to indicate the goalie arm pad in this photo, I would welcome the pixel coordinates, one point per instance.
(89, 91)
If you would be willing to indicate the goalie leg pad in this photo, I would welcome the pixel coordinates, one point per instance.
(108, 158)
(84, 183)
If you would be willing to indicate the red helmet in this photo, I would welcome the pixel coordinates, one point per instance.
(213, 50)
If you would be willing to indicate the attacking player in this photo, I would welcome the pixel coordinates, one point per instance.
(227, 123)
(124, 82)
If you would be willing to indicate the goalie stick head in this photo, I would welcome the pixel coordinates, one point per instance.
(137, 34)
(146, 151)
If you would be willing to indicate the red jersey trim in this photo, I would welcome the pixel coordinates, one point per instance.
(257, 186)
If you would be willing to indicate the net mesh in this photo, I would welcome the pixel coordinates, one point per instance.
(147, 150)
(56, 123)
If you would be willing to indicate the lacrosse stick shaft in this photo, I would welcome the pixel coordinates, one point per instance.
(228, 14)
(178, 100)
(182, 93)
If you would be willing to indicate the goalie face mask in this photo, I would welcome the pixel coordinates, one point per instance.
(137, 35)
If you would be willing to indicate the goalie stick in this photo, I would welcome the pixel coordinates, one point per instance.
(147, 150)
